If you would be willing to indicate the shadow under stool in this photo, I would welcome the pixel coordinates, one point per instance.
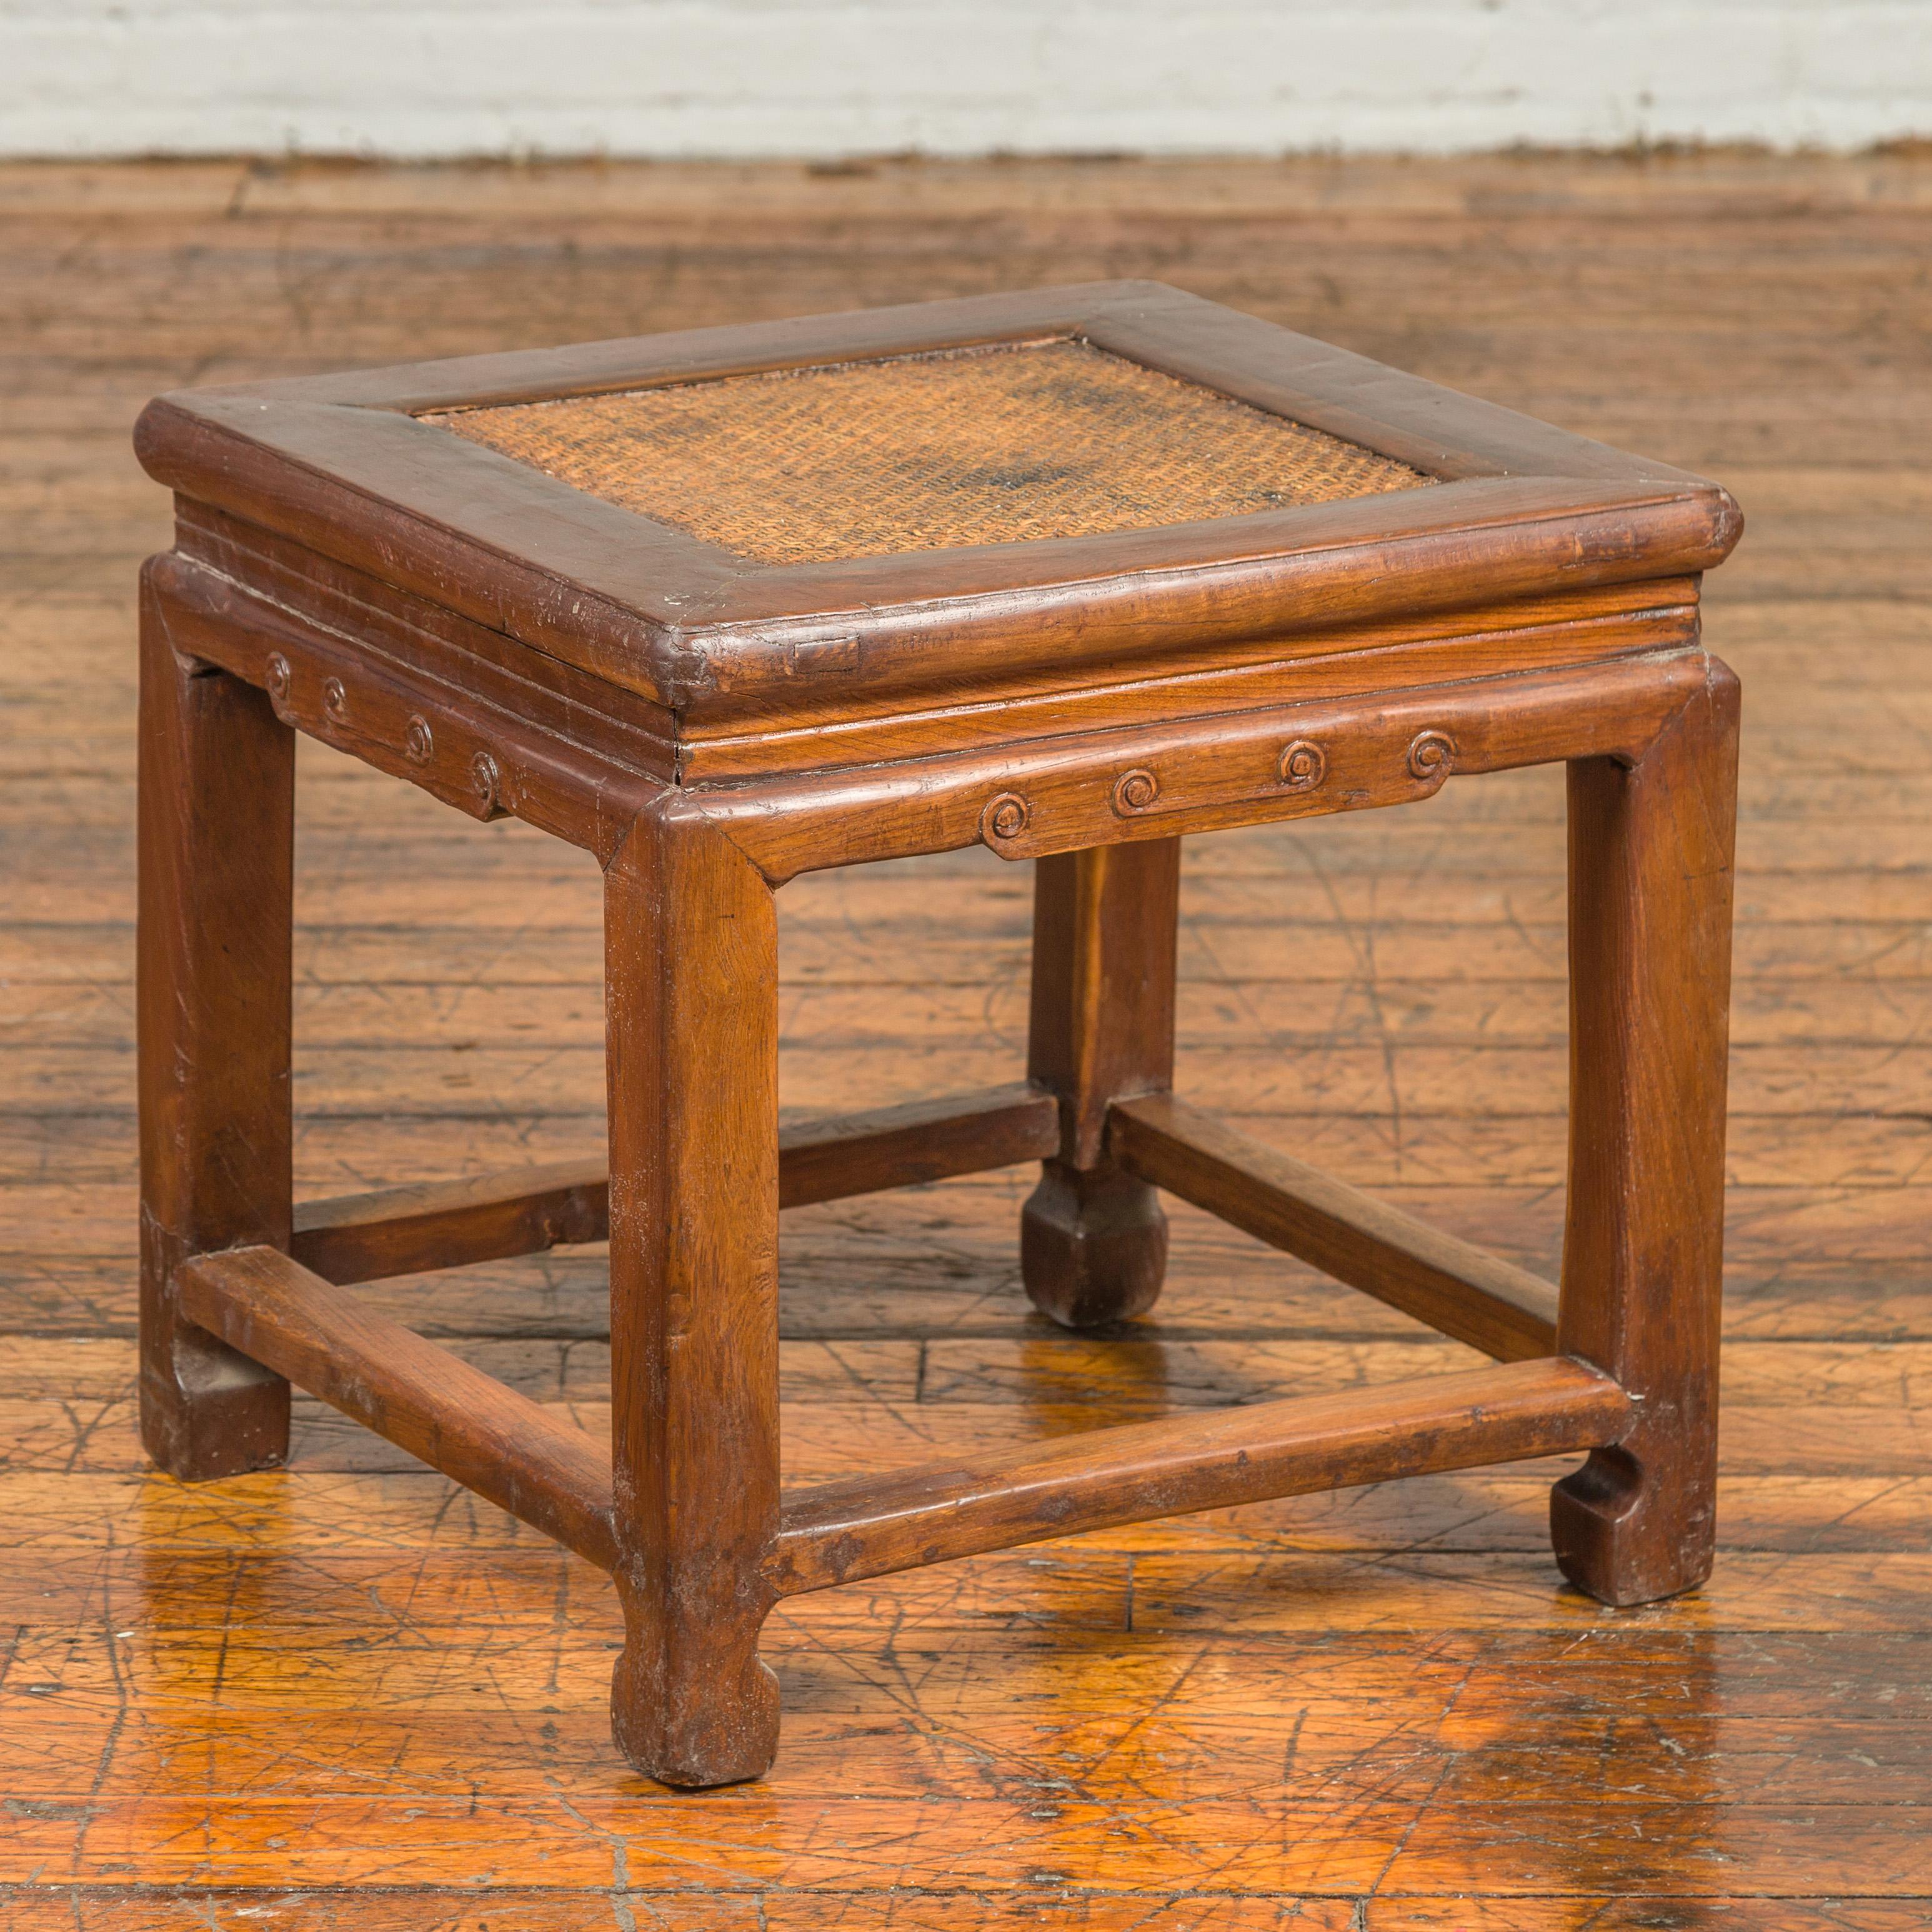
(1069, 574)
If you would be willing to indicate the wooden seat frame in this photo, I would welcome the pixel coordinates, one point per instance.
(246, 1292)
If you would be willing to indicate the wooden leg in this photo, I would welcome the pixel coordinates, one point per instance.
(1093, 1238)
(1650, 946)
(691, 947)
(217, 847)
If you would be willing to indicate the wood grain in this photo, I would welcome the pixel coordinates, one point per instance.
(452, 536)
(213, 1001)
(424, 1399)
(1101, 1478)
(523, 1211)
(1650, 847)
(690, 989)
(1454, 1286)
(1376, 1712)
(1099, 1024)
(1520, 508)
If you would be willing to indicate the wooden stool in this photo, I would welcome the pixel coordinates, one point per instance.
(1069, 574)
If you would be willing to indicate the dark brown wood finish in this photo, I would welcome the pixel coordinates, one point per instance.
(522, 1211)
(1093, 1237)
(217, 847)
(1650, 979)
(799, 728)
(709, 728)
(343, 1694)
(480, 751)
(691, 947)
(1459, 1289)
(920, 1141)
(1290, 760)
(1348, 659)
(1299, 756)
(438, 1224)
(488, 1438)
(341, 465)
(1103, 1478)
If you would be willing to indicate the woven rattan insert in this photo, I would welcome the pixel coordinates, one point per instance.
(1010, 444)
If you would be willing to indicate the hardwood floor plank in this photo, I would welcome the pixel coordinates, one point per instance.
(1497, 1750)
(427, 1909)
(1210, 1848)
(348, 1697)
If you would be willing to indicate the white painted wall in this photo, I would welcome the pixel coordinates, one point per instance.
(833, 77)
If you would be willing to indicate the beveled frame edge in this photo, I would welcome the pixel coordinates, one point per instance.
(335, 461)
(1307, 759)
(1302, 758)
(1165, 328)
(401, 719)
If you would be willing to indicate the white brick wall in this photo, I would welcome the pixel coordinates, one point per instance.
(830, 77)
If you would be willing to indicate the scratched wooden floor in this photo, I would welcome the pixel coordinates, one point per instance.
(347, 1695)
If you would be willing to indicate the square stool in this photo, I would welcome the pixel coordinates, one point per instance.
(1070, 574)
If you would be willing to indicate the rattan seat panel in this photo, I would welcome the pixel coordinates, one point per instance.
(1014, 444)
